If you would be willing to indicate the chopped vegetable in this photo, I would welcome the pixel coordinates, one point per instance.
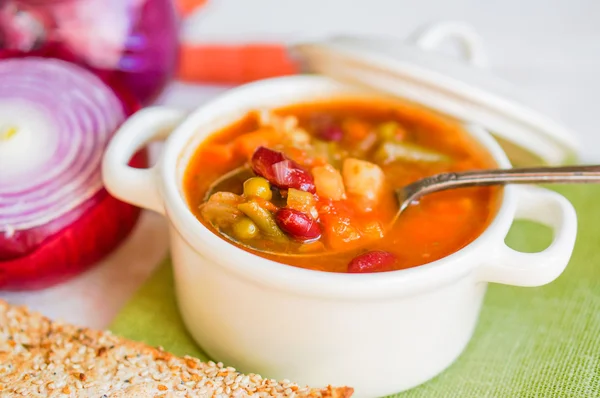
(373, 261)
(262, 218)
(221, 215)
(365, 144)
(246, 144)
(298, 225)
(356, 129)
(221, 209)
(218, 153)
(226, 198)
(297, 137)
(363, 179)
(394, 151)
(391, 131)
(338, 230)
(283, 124)
(329, 151)
(328, 182)
(258, 187)
(245, 229)
(265, 204)
(302, 201)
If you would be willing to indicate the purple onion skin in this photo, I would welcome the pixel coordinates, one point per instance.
(148, 54)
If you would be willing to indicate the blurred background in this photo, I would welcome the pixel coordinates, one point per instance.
(549, 47)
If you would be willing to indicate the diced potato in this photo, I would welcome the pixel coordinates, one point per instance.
(302, 201)
(280, 123)
(297, 137)
(329, 182)
(363, 179)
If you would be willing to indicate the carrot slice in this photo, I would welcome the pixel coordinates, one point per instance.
(265, 204)
(355, 129)
(218, 153)
(246, 144)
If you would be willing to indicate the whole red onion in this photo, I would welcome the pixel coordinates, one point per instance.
(131, 44)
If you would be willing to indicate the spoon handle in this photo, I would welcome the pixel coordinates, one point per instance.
(534, 175)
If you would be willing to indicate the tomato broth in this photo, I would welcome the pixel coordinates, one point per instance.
(320, 179)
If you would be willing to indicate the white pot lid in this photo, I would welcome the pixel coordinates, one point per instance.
(463, 89)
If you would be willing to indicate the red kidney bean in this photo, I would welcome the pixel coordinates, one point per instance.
(298, 225)
(331, 133)
(325, 127)
(280, 171)
(287, 175)
(263, 160)
(373, 261)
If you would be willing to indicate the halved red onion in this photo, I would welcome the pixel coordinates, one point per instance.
(55, 121)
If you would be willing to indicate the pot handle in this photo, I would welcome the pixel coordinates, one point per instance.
(512, 267)
(137, 186)
(431, 36)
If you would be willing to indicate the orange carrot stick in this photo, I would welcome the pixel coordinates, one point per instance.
(185, 7)
(233, 64)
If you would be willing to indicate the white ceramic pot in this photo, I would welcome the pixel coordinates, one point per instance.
(380, 333)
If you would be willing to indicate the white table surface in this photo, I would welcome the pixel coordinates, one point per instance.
(548, 47)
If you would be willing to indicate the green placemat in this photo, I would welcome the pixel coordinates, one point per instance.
(530, 342)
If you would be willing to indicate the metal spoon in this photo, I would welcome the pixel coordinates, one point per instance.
(445, 181)
(481, 178)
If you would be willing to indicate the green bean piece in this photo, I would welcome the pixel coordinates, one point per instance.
(262, 218)
(393, 151)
